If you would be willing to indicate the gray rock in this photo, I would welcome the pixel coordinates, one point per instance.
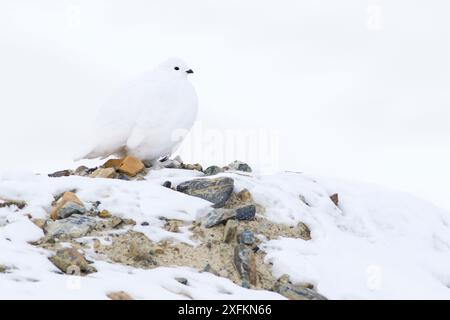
(239, 166)
(247, 237)
(218, 216)
(167, 184)
(75, 226)
(62, 173)
(82, 171)
(69, 209)
(122, 176)
(176, 163)
(245, 264)
(246, 212)
(229, 233)
(182, 281)
(212, 170)
(217, 191)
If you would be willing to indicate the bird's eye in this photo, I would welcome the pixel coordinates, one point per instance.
(176, 68)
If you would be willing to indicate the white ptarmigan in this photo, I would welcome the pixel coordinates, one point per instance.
(149, 117)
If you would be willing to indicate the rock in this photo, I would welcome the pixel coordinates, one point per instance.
(3, 268)
(216, 190)
(175, 163)
(106, 173)
(112, 163)
(119, 295)
(131, 166)
(229, 233)
(306, 285)
(167, 184)
(213, 170)
(104, 214)
(218, 216)
(75, 226)
(239, 166)
(82, 171)
(109, 223)
(67, 205)
(246, 212)
(196, 167)
(300, 291)
(70, 261)
(335, 198)
(245, 264)
(39, 222)
(247, 237)
(182, 281)
(305, 233)
(122, 176)
(62, 173)
(9, 202)
(297, 292)
(145, 224)
(95, 205)
(245, 196)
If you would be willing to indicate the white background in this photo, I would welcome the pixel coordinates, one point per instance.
(357, 89)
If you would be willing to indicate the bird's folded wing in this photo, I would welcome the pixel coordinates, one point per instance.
(136, 137)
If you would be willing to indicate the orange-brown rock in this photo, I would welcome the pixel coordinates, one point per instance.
(104, 173)
(113, 163)
(67, 205)
(104, 214)
(131, 166)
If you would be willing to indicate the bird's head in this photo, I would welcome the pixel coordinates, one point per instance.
(176, 67)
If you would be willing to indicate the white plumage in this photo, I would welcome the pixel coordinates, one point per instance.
(149, 117)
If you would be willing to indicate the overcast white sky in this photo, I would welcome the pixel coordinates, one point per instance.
(356, 89)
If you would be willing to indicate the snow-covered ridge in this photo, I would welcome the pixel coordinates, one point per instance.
(376, 244)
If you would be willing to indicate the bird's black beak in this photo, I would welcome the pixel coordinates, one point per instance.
(189, 71)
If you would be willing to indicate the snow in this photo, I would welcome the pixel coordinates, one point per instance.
(377, 244)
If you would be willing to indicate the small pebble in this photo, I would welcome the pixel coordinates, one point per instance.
(247, 237)
(246, 212)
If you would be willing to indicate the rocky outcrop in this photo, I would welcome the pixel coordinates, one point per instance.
(228, 239)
